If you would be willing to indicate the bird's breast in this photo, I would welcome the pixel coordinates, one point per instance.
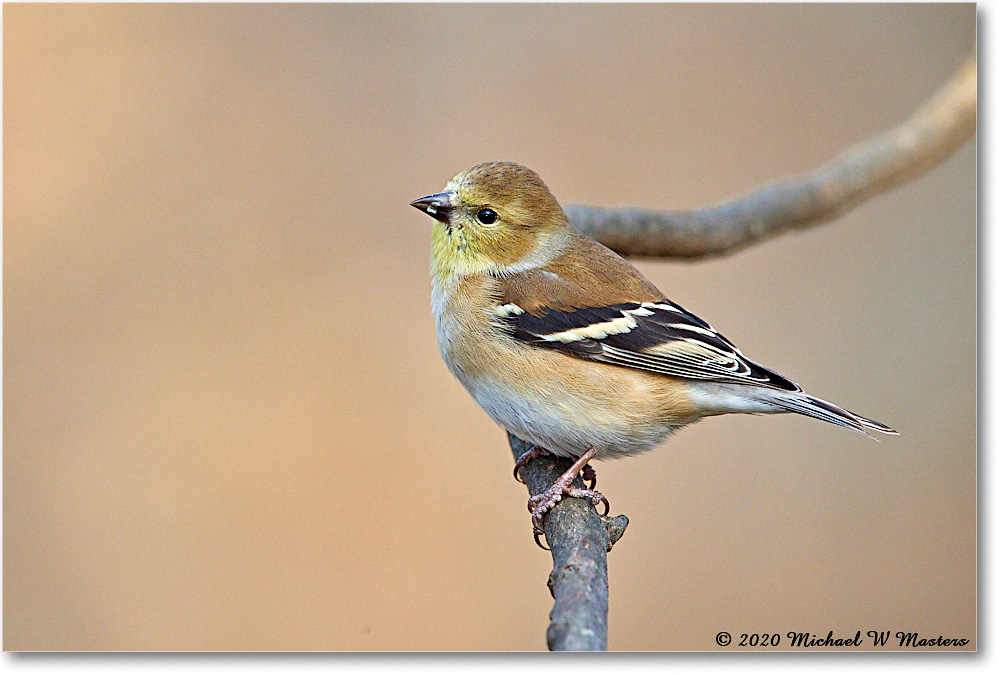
(467, 335)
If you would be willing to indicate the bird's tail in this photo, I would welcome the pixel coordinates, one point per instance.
(804, 404)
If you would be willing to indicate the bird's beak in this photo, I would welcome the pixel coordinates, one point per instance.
(436, 206)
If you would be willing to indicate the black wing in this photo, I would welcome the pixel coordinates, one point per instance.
(660, 337)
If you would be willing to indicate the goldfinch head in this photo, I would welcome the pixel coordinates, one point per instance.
(489, 218)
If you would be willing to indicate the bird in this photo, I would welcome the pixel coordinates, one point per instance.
(564, 344)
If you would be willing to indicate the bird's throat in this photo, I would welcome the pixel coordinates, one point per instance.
(454, 254)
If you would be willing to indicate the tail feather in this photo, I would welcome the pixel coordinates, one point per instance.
(804, 404)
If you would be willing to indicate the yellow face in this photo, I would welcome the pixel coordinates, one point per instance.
(489, 218)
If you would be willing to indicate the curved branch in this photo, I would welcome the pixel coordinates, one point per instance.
(931, 134)
(580, 541)
(578, 537)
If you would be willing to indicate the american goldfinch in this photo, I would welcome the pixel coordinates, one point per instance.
(566, 345)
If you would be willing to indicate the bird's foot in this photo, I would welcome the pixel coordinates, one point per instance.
(544, 502)
(523, 460)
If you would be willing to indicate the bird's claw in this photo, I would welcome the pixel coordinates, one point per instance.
(523, 460)
(542, 503)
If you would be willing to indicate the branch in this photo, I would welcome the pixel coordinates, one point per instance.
(580, 541)
(578, 537)
(930, 135)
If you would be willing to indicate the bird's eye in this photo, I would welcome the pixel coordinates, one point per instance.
(486, 216)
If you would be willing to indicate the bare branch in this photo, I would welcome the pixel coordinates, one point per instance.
(579, 540)
(931, 134)
(578, 537)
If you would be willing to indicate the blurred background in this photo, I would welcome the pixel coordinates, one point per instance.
(226, 422)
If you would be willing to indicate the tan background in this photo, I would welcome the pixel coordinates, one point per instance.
(226, 422)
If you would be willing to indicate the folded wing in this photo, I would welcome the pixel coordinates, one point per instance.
(660, 337)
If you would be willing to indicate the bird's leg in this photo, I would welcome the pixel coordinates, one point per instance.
(523, 460)
(542, 503)
(588, 473)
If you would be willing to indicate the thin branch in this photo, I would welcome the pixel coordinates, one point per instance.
(942, 125)
(580, 541)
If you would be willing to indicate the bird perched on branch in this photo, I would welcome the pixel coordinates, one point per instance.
(566, 345)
